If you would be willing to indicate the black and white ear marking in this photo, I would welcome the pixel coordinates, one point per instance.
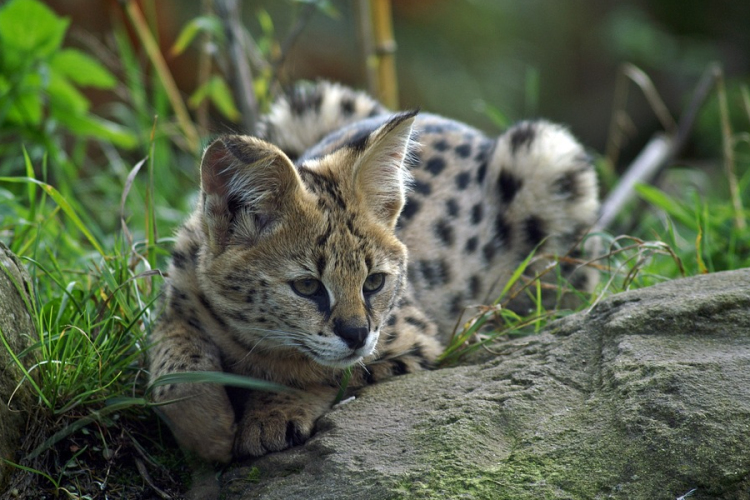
(243, 183)
(380, 173)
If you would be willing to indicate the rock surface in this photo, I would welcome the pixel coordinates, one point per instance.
(647, 396)
(16, 329)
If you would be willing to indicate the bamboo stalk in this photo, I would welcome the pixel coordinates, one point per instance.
(165, 76)
(385, 52)
(367, 47)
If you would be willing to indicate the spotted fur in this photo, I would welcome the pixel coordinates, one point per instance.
(277, 273)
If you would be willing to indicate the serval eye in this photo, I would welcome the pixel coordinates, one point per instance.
(374, 283)
(307, 287)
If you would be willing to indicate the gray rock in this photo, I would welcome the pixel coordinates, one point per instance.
(17, 329)
(647, 396)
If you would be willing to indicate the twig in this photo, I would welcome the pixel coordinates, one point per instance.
(242, 75)
(291, 38)
(165, 76)
(204, 71)
(630, 72)
(146, 477)
(643, 169)
(658, 152)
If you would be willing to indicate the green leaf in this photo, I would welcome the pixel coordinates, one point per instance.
(218, 92)
(22, 103)
(29, 29)
(82, 69)
(209, 24)
(64, 98)
(99, 128)
(672, 207)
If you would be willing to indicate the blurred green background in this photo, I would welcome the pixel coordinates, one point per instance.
(553, 58)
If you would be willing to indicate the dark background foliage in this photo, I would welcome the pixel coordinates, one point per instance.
(533, 58)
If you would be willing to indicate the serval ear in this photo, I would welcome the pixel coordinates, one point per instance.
(245, 185)
(381, 173)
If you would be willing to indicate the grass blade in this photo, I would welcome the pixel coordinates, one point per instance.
(220, 378)
(64, 206)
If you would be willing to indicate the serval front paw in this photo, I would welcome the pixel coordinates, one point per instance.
(275, 422)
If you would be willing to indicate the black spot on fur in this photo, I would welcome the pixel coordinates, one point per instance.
(391, 321)
(475, 286)
(434, 129)
(567, 186)
(416, 351)
(523, 134)
(452, 207)
(193, 322)
(441, 145)
(399, 367)
(481, 172)
(422, 187)
(426, 364)
(457, 304)
(390, 337)
(347, 106)
(462, 180)
(435, 273)
(320, 183)
(410, 209)
(294, 435)
(179, 259)
(323, 238)
(535, 231)
(416, 322)
(471, 244)
(320, 264)
(444, 231)
(463, 150)
(508, 186)
(477, 213)
(305, 98)
(483, 151)
(209, 308)
(489, 250)
(435, 165)
(502, 229)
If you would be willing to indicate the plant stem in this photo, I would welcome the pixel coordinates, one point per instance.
(242, 75)
(165, 76)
